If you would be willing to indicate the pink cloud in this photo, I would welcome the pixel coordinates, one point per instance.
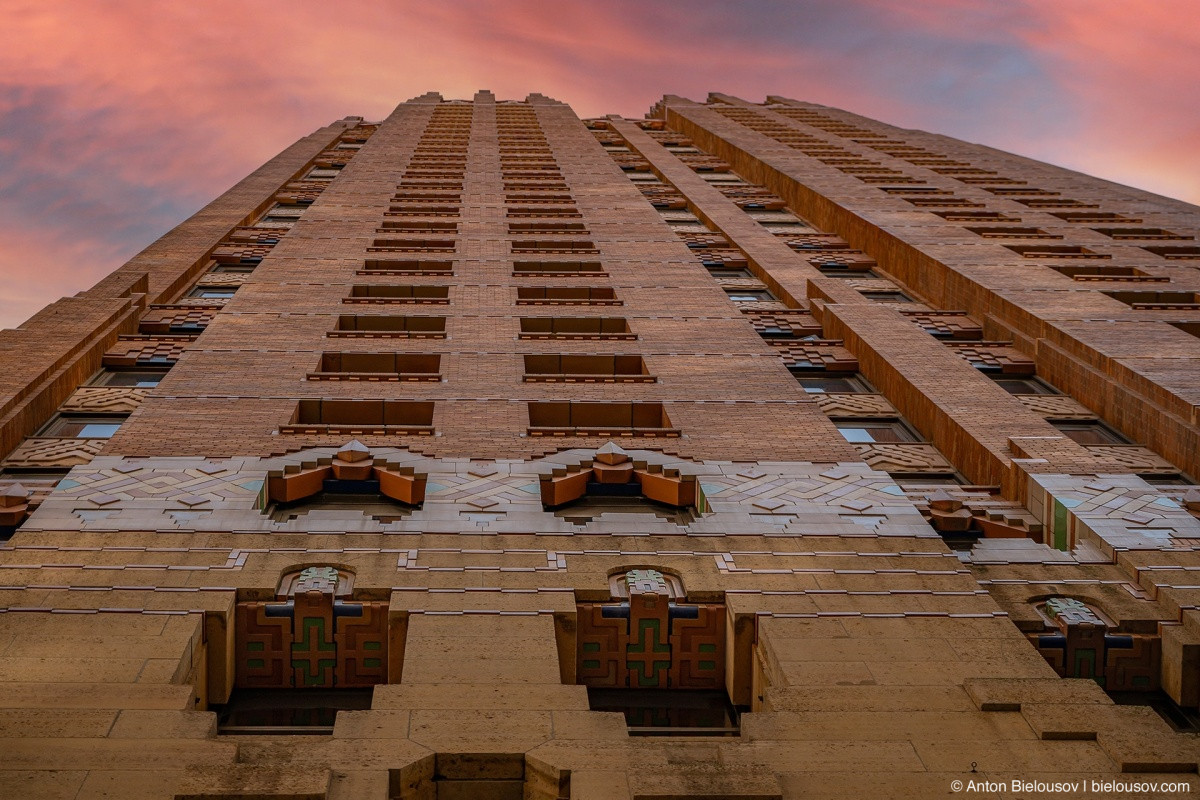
(118, 119)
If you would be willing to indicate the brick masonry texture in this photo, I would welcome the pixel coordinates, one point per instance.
(866, 572)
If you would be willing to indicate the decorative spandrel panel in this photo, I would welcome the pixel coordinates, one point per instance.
(1082, 644)
(649, 640)
(311, 636)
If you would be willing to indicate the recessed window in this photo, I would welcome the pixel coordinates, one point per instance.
(1089, 432)
(976, 216)
(1140, 233)
(888, 297)
(918, 481)
(213, 292)
(1167, 479)
(69, 426)
(412, 246)
(1016, 385)
(557, 269)
(1054, 251)
(581, 418)
(880, 431)
(1105, 272)
(575, 328)
(833, 384)
(382, 294)
(387, 266)
(749, 295)
(361, 417)
(368, 326)
(1178, 253)
(287, 712)
(669, 712)
(586, 369)
(730, 274)
(1157, 300)
(1013, 233)
(378, 367)
(141, 379)
(241, 269)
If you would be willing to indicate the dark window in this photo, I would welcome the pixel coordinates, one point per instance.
(831, 384)
(1022, 385)
(287, 711)
(888, 297)
(82, 427)
(213, 292)
(881, 431)
(135, 378)
(921, 481)
(1090, 432)
(1167, 479)
(749, 295)
(669, 712)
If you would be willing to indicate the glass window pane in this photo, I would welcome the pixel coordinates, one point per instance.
(132, 378)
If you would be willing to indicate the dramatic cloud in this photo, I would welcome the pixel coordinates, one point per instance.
(119, 119)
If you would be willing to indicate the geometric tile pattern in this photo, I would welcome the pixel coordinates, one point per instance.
(39, 453)
(855, 405)
(1002, 357)
(648, 641)
(145, 351)
(103, 400)
(818, 354)
(311, 639)
(1084, 647)
(1055, 406)
(903, 457)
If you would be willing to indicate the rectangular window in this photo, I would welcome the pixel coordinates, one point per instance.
(669, 712)
(1104, 272)
(362, 417)
(557, 269)
(567, 296)
(373, 326)
(881, 431)
(389, 266)
(1054, 251)
(69, 426)
(1139, 233)
(1087, 432)
(213, 292)
(1013, 233)
(385, 294)
(412, 246)
(378, 367)
(887, 297)
(749, 295)
(575, 328)
(141, 379)
(832, 384)
(1157, 300)
(1022, 385)
(578, 418)
(586, 369)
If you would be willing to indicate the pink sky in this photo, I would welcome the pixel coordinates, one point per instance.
(120, 119)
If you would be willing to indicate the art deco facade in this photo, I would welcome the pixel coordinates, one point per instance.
(747, 450)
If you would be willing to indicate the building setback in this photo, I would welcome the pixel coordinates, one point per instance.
(749, 450)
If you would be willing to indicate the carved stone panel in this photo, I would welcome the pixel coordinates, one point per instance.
(903, 457)
(1055, 406)
(103, 400)
(855, 405)
(53, 453)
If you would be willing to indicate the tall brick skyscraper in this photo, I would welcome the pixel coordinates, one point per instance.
(747, 450)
